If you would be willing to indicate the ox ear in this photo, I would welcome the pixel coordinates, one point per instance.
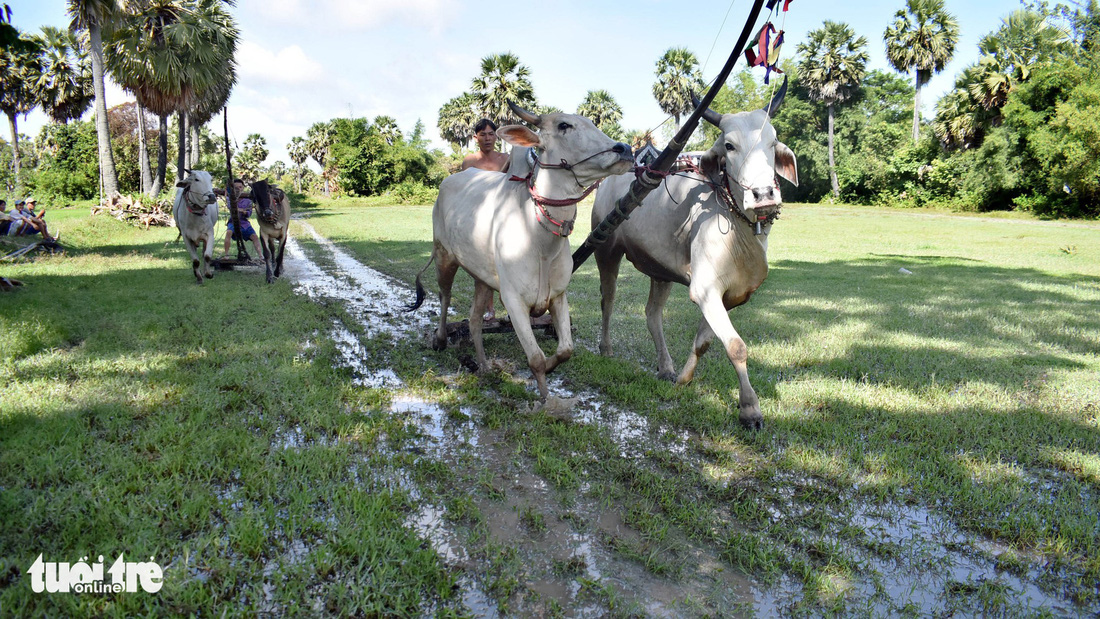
(518, 135)
(181, 184)
(785, 163)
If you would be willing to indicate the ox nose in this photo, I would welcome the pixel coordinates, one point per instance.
(211, 198)
(622, 150)
(764, 194)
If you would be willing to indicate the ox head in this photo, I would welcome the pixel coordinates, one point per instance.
(570, 141)
(748, 157)
(198, 187)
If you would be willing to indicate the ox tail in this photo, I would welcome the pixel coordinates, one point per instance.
(421, 294)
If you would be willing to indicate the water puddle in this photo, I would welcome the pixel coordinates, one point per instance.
(561, 552)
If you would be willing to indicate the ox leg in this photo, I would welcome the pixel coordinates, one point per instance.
(445, 269)
(654, 313)
(483, 296)
(208, 256)
(279, 260)
(195, 262)
(559, 313)
(609, 276)
(719, 322)
(269, 251)
(521, 323)
(702, 342)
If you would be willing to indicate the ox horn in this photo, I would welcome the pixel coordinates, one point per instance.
(709, 115)
(187, 170)
(777, 100)
(524, 114)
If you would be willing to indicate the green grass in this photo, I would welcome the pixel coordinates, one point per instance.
(967, 388)
(143, 414)
(147, 415)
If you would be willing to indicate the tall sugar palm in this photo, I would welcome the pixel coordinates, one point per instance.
(319, 139)
(92, 16)
(678, 77)
(502, 79)
(456, 121)
(386, 126)
(833, 64)
(20, 66)
(211, 102)
(1025, 39)
(922, 37)
(64, 88)
(602, 109)
(169, 53)
(961, 120)
(298, 154)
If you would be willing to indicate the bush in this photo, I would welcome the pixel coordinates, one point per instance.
(411, 192)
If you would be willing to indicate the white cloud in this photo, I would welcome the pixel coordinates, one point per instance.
(289, 66)
(431, 15)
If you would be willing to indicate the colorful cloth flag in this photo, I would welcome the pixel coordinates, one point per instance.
(766, 55)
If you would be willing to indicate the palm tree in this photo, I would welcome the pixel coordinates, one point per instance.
(92, 16)
(169, 53)
(1024, 40)
(298, 154)
(678, 77)
(961, 120)
(922, 37)
(64, 88)
(457, 118)
(319, 139)
(600, 107)
(388, 129)
(502, 79)
(20, 66)
(833, 65)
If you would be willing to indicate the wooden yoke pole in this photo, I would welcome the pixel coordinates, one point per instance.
(647, 181)
(242, 253)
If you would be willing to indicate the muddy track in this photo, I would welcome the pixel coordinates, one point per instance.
(570, 550)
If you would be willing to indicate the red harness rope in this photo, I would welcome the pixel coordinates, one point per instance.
(563, 227)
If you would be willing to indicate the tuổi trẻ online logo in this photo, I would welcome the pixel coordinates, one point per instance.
(83, 577)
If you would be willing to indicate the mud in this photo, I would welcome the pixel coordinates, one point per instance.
(529, 549)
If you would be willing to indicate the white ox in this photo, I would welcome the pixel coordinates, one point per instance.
(510, 234)
(699, 232)
(196, 212)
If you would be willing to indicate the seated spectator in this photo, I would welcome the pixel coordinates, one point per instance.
(5, 218)
(26, 221)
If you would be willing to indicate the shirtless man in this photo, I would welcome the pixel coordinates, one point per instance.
(486, 158)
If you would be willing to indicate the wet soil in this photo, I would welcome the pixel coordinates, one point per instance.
(524, 547)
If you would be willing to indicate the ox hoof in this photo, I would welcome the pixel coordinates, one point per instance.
(752, 420)
(668, 376)
(438, 344)
(209, 275)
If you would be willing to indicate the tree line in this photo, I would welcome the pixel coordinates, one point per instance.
(175, 56)
(1018, 131)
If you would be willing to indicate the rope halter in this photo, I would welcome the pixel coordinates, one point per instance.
(557, 227)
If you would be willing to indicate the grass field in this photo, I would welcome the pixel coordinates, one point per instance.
(931, 441)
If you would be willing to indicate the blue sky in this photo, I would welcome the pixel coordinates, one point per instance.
(303, 61)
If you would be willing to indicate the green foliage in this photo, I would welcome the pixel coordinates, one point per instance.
(68, 166)
(366, 163)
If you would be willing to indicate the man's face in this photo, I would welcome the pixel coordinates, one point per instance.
(238, 187)
(487, 138)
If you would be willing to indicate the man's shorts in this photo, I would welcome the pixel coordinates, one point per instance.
(249, 232)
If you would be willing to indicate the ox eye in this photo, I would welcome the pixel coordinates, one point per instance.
(730, 147)
(564, 126)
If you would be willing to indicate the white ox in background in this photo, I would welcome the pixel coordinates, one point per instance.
(196, 212)
(699, 232)
(511, 236)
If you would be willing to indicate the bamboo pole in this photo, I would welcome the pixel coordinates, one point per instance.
(648, 181)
